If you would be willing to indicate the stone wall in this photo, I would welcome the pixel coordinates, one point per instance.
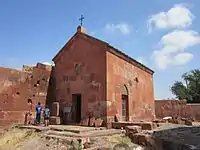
(175, 108)
(125, 77)
(18, 87)
(81, 69)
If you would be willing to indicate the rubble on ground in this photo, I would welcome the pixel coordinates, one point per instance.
(162, 134)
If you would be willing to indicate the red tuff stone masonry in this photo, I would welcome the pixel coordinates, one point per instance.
(91, 81)
(17, 88)
(127, 78)
(80, 69)
(101, 74)
(177, 108)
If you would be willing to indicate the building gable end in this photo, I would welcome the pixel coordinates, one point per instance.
(71, 40)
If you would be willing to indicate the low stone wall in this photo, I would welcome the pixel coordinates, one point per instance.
(11, 117)
(21, 90)
(176, 108)
(143, 125)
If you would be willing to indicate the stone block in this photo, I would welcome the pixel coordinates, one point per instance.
(175, 121)
(55, 109)
(29, 119)
(109, 125)
(98, 122)
(141, 139)
(134, 138)
(180, 121)
(132, 129)
(85, 122)
(188, 122)
(147, 126)
(155, 125)
(54, 120)
(92, 121)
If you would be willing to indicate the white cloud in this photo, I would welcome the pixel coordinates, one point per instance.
(179, 40)
(179, 16)
(173, 46)
(161, 60)
(182, 58)
(122, 28)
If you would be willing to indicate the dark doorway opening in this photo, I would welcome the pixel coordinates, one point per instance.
(125, 108)
(76, 112)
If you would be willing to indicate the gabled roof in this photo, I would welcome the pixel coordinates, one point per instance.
(110, 48)
(66, 45)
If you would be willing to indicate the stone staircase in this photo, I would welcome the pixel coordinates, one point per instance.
(82, 134)
(70, 132)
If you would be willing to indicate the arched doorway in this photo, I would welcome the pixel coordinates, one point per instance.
(124, 97)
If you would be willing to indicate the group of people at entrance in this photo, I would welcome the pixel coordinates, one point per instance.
(46, 114)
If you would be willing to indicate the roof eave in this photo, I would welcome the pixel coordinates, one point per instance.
(132, 59)
(149, 70)
(68, 42)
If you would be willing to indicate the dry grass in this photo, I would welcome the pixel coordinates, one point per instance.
(14, 136)
(118, 139)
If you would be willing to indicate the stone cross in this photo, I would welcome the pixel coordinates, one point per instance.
(81, 19)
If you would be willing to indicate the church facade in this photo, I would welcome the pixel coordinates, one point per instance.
(94, 78)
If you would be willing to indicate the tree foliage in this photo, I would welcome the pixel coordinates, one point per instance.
(190, 88)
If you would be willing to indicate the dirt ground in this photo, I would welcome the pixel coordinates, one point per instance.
(16, 139)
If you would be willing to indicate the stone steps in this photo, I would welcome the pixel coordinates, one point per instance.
(37, 128)
(63, 133)
(107, 132)
(67, 128)
(93, 133)
(74, 130)
(143, 125)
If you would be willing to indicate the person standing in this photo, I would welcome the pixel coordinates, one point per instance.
(46, 115)
(38, 113)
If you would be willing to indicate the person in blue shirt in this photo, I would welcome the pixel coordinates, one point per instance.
(38, 113)
(46, 115)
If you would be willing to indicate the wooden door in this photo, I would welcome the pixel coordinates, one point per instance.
(124, 107)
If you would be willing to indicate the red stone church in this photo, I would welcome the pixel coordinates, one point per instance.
(92, 77)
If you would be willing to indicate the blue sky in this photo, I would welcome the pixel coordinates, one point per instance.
(164, 35)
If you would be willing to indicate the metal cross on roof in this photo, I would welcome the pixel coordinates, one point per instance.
(81, 19)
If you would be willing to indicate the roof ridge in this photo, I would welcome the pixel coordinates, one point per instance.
(120, 52)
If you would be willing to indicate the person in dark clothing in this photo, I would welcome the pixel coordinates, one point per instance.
(38, 113)
(46, 115)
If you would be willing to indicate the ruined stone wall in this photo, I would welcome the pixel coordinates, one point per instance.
(17, 88)
(164, 108)
(80, 69)
(121, 75)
